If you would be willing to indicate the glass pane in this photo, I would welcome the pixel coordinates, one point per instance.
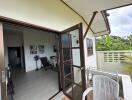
(77, 90)
(77, 76)
(76, 57)
(75, 38)
(68, 87)
(65, 40)
(67, 68)
(66, 54)
(89, 46)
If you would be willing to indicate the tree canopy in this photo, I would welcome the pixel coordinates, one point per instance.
(109, 42)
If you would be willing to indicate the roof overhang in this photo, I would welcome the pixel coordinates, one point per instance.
(100, 25)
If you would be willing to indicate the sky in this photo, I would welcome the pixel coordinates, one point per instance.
(120, 21)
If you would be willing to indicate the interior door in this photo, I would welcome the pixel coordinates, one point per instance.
(72, 62)
(14, 57)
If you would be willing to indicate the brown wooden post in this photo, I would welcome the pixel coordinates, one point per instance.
(82, 55)
(2, 66)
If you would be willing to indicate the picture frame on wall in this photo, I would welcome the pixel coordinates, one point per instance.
(41, 49)
(33, 49)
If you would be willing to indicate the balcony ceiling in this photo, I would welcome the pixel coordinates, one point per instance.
(86, 8)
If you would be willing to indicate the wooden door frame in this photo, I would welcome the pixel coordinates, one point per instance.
(82, 57)
(6, 20)
(2, 66)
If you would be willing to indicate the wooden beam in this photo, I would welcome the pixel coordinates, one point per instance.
(90, 23)
(2, 65)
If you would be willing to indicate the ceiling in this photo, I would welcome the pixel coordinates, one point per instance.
(86, 8)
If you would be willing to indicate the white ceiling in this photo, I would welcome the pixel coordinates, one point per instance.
(86, 8)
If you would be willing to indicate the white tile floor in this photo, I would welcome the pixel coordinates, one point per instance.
(36, 85)
(58, 96)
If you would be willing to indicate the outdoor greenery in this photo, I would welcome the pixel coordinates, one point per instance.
(128, 64)
(110, 43)
(107, 43)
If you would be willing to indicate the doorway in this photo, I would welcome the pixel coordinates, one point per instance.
(69, 67)
(14, 57)
(43, 82)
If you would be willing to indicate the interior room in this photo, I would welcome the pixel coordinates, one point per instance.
(31, 57)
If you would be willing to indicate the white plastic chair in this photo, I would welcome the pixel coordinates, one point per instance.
(104, 88)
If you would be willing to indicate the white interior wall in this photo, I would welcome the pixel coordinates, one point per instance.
(11, 39)
(37, 37)
(29, 37)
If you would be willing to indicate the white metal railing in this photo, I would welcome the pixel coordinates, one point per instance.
(112, 60)
(114, 56)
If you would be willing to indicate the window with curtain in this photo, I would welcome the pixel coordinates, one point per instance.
(89, 43)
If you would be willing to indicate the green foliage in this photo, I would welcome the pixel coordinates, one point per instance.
(127, 64)
(113, 43)
(130, 39)
(128, 57)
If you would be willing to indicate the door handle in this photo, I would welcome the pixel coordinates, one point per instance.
(3, 76)
(81, 68)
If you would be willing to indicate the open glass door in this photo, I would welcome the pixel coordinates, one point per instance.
(72, 62)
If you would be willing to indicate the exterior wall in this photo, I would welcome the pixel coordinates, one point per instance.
(90, 61)
(113, 65)
(52, 14)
